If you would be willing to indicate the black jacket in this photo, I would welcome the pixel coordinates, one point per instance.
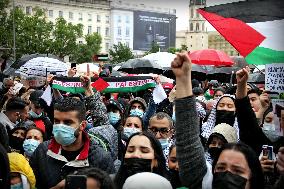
(49, 171)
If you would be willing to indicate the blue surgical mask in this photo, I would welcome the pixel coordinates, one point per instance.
(17, 186)
(29, 146)
(136, 112)
(127, 131)
(113, 118)
(164, 143)
(34, 115)
(64, 134)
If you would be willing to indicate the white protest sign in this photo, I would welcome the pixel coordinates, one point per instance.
(278, 109)
(274, 78)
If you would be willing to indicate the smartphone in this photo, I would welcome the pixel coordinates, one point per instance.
(267, 151)
(73, 65)
(76, 182)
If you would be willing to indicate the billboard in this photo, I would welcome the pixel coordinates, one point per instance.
(157, 27)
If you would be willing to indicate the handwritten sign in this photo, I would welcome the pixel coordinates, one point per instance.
(274, 78)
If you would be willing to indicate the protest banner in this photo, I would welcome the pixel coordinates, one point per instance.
(116, 84)
(274, 78)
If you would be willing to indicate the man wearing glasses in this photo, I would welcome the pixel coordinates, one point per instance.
(161, 125)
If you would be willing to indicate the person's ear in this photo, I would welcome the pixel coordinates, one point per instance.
(83, 125)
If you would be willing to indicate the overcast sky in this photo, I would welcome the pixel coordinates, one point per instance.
(181, 7)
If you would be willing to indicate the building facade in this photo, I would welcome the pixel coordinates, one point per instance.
(218, 42)
(196, 37)
(93, 15)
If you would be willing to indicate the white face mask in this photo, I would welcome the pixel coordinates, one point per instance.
(270, 132)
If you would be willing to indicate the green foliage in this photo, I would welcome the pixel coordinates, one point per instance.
(85, 52)
(64, 38)
(120, 53)
(174, 50)
(34, 34)
(154, 47)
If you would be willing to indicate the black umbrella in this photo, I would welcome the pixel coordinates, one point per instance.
(257, 78)
(140, 66)
(23, 60)
(198, 72)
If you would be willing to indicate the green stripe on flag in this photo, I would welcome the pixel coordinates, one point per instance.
(262, 55)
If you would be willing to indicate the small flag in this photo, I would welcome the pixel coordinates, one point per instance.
(100, 85)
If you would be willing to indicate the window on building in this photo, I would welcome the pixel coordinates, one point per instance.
(99, 30)
(107, 31)
(203, 27)
(191, 36)
(197, 26)
(107, 19)
(50, 13)
(107, 46)
(71, 15)
(89, 29)
(127, 19)
(119, 31)
(119, 19)
(127, 44)
(232, 53)
(127, 31)
(191, 13)
(28, 10)
(191, 26)
(98, 18)
(197, 14)
(190, 45)
(89, 17)
(60, 13)
(80, 16)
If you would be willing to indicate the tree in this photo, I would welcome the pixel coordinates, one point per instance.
(120, 53)
(86, 51)
(173, 50)
(5, 31)
(33, 33)
(154, 47)
(64, 38)
(183, 47)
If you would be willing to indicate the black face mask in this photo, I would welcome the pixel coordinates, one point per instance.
(175, 180)
(214, 151)
(224, 116)
(16, 144)
(228, 180)
(137, 165)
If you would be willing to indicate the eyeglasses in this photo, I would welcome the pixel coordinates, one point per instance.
(162, 131)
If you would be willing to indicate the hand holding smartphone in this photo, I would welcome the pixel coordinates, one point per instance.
(76, 182)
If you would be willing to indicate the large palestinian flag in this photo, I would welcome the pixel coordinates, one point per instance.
(114, 84)
(254, 28)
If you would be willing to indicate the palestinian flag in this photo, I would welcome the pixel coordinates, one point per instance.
(106, 84)
(254, 28)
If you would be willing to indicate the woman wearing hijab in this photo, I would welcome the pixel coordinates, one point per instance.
(143, 154)
(22, 175)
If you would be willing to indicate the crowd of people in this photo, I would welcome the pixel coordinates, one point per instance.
(203, 135)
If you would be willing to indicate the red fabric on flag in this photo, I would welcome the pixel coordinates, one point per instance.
(100, 84)
(40, 124)
(240, 35)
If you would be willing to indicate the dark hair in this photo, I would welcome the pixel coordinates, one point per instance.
(16, 104)
(69, 104)
(257, 178)
(219, 89)
(162, 115)
(171, 148)
(143, 127)
(161, 169)
(197, 91)
(100, 176)
(38, 129)
(254, 91)
(267, 111)
(78, 95)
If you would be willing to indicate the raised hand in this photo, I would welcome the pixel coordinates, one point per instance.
(86, 82)
(242, 76)
(266, 164)
(72, 72)
(181, 67)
